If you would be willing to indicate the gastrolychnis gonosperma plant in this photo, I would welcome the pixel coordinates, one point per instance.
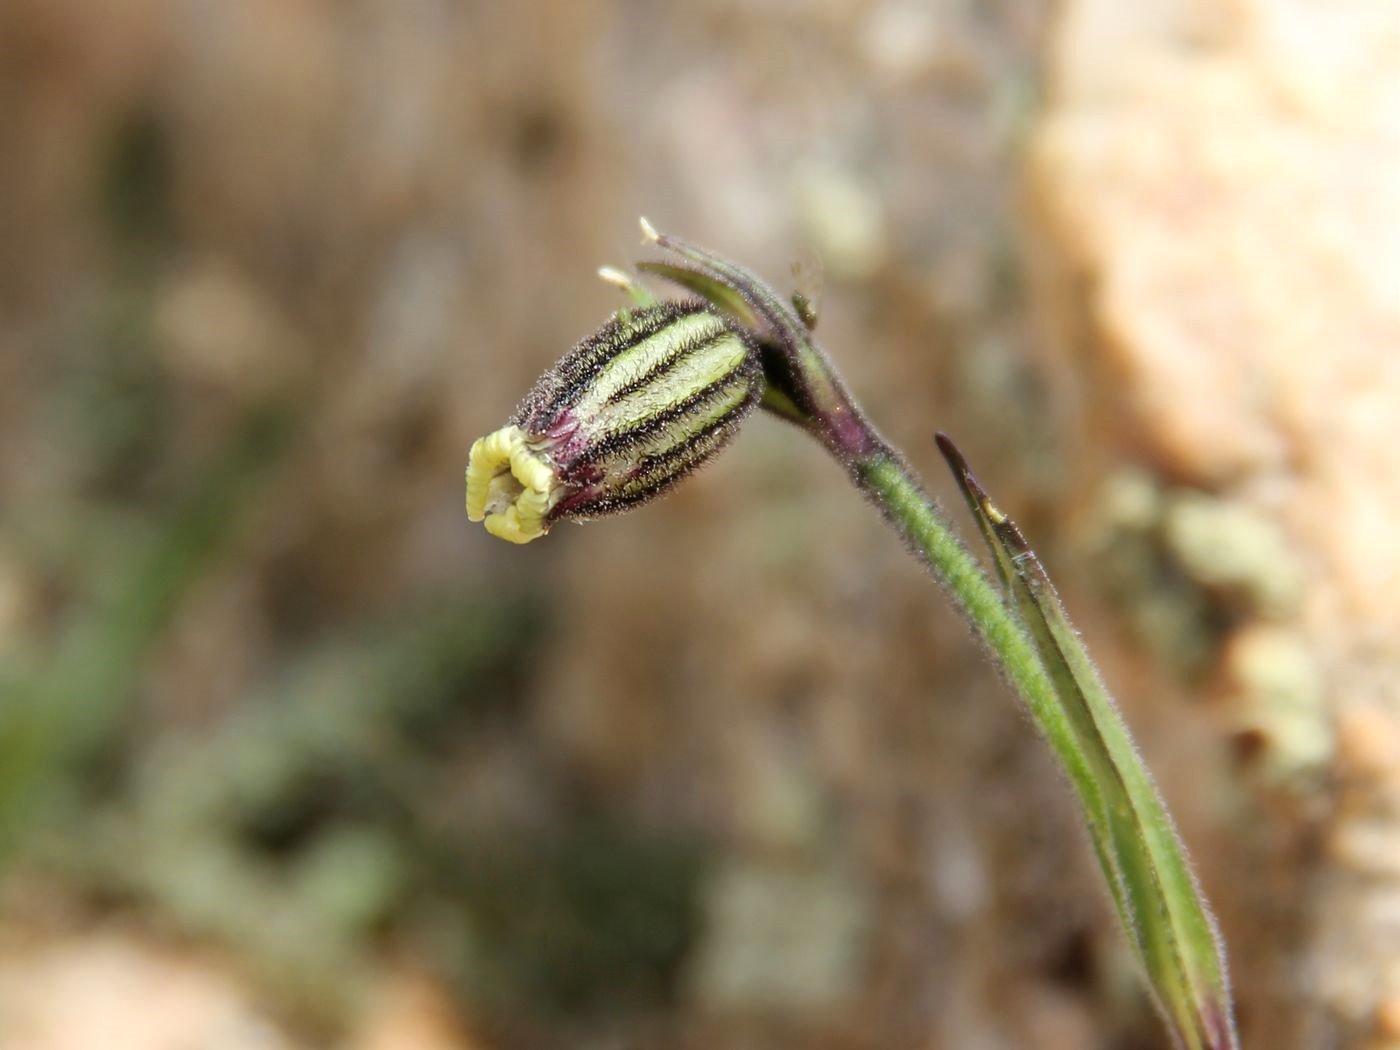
(662, 386)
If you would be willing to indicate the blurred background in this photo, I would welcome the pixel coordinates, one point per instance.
(291, 756)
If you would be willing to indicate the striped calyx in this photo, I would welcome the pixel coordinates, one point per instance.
(626, 414)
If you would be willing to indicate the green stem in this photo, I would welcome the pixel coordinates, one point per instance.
(806, 389)
(1134, 874)
(889, 483)
(892, 487)
(1027, 633)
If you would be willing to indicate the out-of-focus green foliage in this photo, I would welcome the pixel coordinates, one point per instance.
(56, 715)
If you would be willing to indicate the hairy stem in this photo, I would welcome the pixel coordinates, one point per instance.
(1029, 637)
(807, 390)
(891, 486)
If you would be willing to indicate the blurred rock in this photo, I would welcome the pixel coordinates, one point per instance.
(843, 219)
(410, 1012)
(1279, 691)
(214, 328)
(778, 803)
(1234, 550)
(118, 992)
(902, 39)
(1159, 581)
(786, 939)
(1216, 198)
(1368, 739)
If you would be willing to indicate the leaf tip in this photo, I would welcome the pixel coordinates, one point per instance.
(949, 450)
(957, 462)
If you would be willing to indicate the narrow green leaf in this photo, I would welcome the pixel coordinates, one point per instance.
(708, 288)
(1142, 857)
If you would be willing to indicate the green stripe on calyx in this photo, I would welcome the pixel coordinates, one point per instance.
(563, 384)
(712, 411)
(651, 478)
(626, 328)
(695, 370)
(634, 362)
(674, 467)
(685, 332)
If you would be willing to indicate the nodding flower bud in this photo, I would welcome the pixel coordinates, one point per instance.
(621, 418)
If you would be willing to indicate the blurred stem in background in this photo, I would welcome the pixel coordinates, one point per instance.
(56, 715)
(1026, 631)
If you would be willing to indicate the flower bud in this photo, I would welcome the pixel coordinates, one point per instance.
(625, 415)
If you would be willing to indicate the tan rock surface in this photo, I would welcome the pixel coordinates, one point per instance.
(113, 991)
(1216, 195)
(119, 990)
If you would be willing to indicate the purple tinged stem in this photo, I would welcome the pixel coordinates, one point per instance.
(802, 373)
(832, 414)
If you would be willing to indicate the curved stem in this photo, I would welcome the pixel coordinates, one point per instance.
(1028, 635)
(889, 483)
(1135, 844)
(806, 389)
